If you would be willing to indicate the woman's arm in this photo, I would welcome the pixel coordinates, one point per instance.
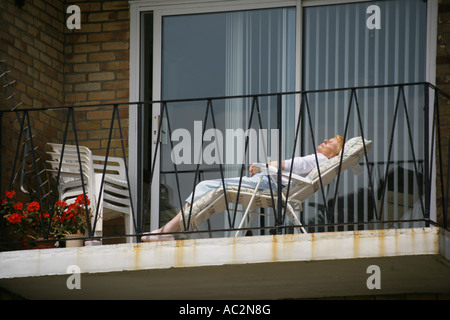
(254, 170)
(275, 164)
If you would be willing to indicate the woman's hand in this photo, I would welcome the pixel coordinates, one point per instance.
(254, 170)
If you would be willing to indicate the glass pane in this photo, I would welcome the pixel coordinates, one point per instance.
(344, 47)
(216, 55)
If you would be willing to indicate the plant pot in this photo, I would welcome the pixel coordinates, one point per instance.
(45, 244)
(92, 243)
(72, 240)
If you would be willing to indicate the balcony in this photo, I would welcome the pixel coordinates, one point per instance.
(390, 211)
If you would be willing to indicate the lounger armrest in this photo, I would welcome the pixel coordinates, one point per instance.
(296, 177)
(265, 169)
(273, 171)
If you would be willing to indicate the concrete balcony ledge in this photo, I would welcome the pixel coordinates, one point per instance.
(262, 267)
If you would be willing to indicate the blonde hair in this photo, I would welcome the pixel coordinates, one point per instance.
(340, 141)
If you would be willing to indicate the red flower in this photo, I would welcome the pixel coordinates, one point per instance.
(18, 206)
(15, 218)
(80, 199)
(10, 194)
(71, 207)
(61, 203)
(25, 219)
(33, 206)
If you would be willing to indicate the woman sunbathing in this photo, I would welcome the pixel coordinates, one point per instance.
(300, 166)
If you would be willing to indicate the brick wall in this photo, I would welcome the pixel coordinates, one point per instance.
(32, 44)
(54, 66)
(443, 82)
(97, 70)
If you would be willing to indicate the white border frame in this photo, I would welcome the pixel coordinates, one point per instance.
(173, 7)
(432, 18)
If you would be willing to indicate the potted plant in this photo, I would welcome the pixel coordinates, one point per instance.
(26, 220)
(71, 220)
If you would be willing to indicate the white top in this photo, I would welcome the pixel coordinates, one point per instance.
(302, 165)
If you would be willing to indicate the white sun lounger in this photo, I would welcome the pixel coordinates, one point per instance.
(301, 188)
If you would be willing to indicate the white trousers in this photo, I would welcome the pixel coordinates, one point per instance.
(247, 182)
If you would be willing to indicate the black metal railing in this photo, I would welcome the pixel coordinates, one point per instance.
(404, 181)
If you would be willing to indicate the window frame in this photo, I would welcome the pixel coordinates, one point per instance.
(162, 8)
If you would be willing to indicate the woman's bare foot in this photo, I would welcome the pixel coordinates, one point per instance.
(155, 236)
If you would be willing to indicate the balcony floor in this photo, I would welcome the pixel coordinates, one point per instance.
(263, 267)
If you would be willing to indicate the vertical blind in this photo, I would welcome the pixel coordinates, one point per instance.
(253, 52)
(260, 58)
(341, 51)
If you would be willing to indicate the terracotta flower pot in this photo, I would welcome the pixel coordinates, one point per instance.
(45, 244)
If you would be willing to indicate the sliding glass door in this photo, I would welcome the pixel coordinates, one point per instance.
(214, 55)
(235, 48)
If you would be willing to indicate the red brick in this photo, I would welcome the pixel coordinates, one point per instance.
(101, 16)
(100, 37)
(115, 85)
(87, 67)
(87, 86)
(102, 56)
(76, 77)
(102, 95)
(76, 38)
(115, 65)
(76, 58)
(101, 76)
(74, 97)
(116, 26)
(100, 114)
(86, 47)
(115, 5)
(115, 45)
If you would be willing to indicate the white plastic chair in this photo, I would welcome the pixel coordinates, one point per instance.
(70, 184)
(116, 197)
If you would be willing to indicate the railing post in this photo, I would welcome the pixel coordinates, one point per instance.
(1, 140)
(445, 197)
(279, 221)
(139, 197)
(427, 154)
(2, 221)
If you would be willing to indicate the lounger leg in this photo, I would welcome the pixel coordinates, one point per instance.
(243, 220)
(248, 207)
(291, 214)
